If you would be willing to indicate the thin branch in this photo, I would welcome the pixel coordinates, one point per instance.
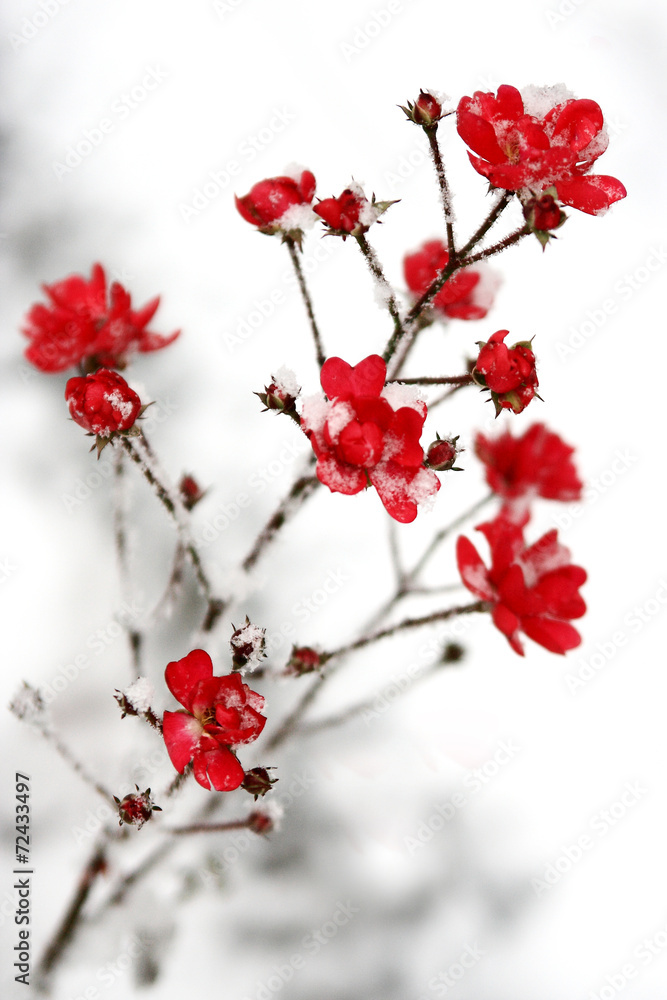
(491, 218)
(64, 751)
(69, 924)
(458, 380)
(288, 506)
(388, 292)
(171, 502)
(296, 263)
(445, 193)
(410, 623)
(233, 824)
(509, 241)
(134, 635)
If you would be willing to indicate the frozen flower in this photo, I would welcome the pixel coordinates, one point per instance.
(87, 324)
(351, 213)
(509, 372)
(137, 808)
(103, 403)
(532, 589)
(221, 713)
(361, 437)
(542, 138)
(280, 204)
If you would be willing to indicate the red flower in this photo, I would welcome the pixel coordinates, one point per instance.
(466, 295)
(102, 403)
(350, 213)
(534, 590)
(509, 372)
(221, 712)
(426, 111)
(85, 323)
(542, 138)
(276, 204)
(360, 439)
(537, 464)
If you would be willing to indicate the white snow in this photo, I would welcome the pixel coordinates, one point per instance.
(140, 694)
(298, 217)
(538, 101)
(285, 380)
(398, 395)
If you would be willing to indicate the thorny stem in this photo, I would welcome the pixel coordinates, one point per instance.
(288, 506)
(376, 270)
(296, 263)
(491, 218)
(456, 261)
(178, 514)
(509, 241)
(458, 380)
(445, 193)
(291, 722)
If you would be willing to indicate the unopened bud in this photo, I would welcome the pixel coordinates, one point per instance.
(137, 808)
(257, 781)
(247, 645)
(303, 660)
(441, 455)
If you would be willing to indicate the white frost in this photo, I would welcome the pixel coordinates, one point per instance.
(140, 694)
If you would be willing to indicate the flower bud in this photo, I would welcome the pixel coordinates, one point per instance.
(304, 660)
(267, 819)
(351, 213)
(452, 653)
(247, 644)
(441, 455)
(508, 372)
(103, 403)
(426, 111)
(190, 491)
(543, 214)
(137, 808)
(257, 781)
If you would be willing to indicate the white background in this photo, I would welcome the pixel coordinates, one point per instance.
(333, 75)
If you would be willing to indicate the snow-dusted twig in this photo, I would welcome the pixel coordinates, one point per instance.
(388, 293)
(296, 263)
(445, 193)
(300, 491)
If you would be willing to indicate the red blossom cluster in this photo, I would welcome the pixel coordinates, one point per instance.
(468, 294)
(220, 713)
(534, 589)
(364, 433)
(89, 325)
(541, 138)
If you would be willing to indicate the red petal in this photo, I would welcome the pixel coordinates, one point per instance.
(183, 675)
(508, 623)
(555, 636)
(181, 736)
(221, 767)
(338, 477)
(592, 195)
(342, 381)
(473, 571)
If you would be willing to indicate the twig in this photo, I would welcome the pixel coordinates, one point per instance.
(491, 218)
(445, 194)
(458, 380)
(509, 241)
(233, 824)
(294, 256)
(134, 635)
(388, 292)
(69, 924)
(288, 506)
(178, 513)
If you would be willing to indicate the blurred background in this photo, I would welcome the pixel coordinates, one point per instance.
(497, 832)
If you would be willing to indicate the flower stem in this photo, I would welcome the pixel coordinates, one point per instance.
(296, 263)
(388, 292)
(497, 247)
(491, 218)
(233, 824)
(445, 193)
(288, 506)
(427, 380)
(171, 502)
